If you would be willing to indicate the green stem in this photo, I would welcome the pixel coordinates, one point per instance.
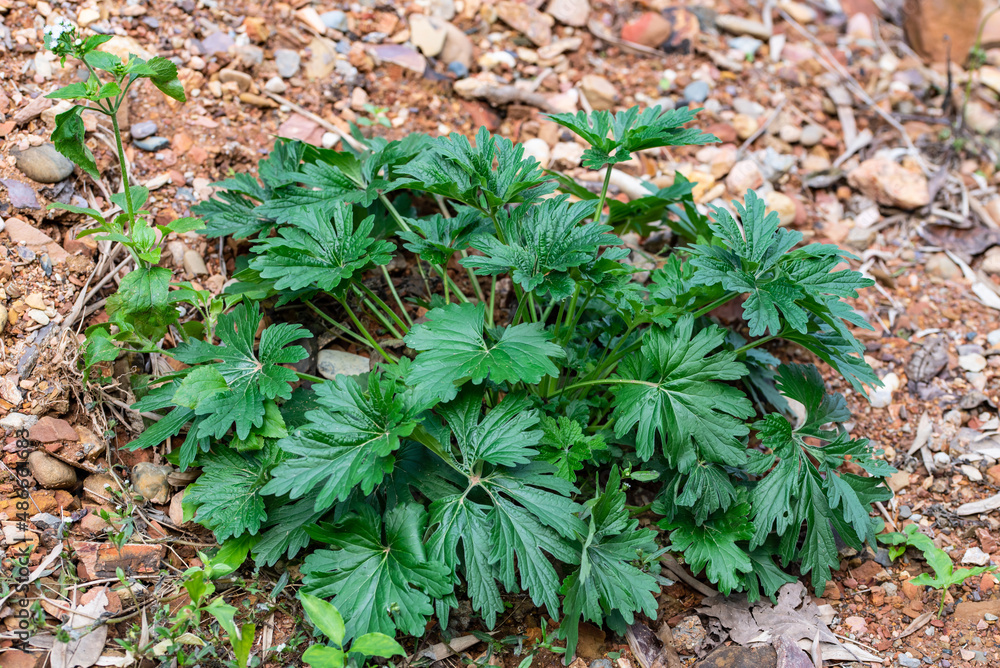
(714, 305)
(309, 377)
(123, 164)
(364, 332)
(339, 327)
(385, 307)
(395, 295)
(604, 195)
(493, 300)
(758, 342)
(474, 280)
(638, 510)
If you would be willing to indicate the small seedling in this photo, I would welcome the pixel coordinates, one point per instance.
(330, 623)
(945, 574)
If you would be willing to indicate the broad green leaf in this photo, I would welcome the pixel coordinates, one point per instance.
(379, 575)
(672, 394)
(324, 616)
(227, 494)
(377, 644)
(68, 138)
(454, 349)
(347, 443)
(321, 656)
(203, 382)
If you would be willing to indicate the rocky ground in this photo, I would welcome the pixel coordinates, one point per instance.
(845, 115)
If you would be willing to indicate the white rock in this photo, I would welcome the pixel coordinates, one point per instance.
(972, 362)
(811, 135)
(329, 140)
(538, 149)
(880, 398)
(333, 363)
(275, 85)
(567, 154)
(891, 382)
(38, 316)
(975, 557)
(971, 472)
(993, 338)
(427, 34)
(17, 421)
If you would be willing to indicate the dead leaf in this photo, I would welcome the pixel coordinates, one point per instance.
(87, 635)
(917, 624)
(794, 617)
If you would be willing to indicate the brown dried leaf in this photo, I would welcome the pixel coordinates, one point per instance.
(85, 649)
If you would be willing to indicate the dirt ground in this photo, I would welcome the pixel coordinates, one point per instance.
(849, 79)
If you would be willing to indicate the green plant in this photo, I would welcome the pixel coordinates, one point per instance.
(327, 619)
(493, 445)
(143, 307)
(945, 574)
(376, 115)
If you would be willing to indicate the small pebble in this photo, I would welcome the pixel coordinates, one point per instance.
(696, 91)
(974, 362)
(38, 316)
(905, 512)
(143, 129)
(458, 69)
(152, 144)
(329, 140)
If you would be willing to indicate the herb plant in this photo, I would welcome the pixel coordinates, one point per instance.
(523, 383)
(945, 574)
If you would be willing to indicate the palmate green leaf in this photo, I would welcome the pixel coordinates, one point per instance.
(284, 535)
(805, 487)
(379, 575)
(253, 376)
(68, 137)
(614, 137)
(453, 348)
(715, 546)
(783, 286)
(540, 244)
(436, 238)
(606, 581)
(565, 446)
(317, 252)
(671, 393)
(347, 443)
(491, 523)
(456, 169)
(227, 494)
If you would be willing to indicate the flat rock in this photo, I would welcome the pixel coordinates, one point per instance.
(935, 28)
(310, 17)
(737, 656)
(527, 20)
(98, 487)
(102, 560)
(50, 429)
(288, 62)
(43, 164)
(142, 129)
(333, 363)
(49, 472)
(20, 194)
(427, 34)
(600, 92)
(397, 54)
(194, 263)
(738, 25)
(152, 144)
(20, 232)
(569, 12)
(242, 80)
(890, 184)
(458, 48)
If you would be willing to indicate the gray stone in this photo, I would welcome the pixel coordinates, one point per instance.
(334, 20)
(746, 45)
(250, 55)
(811, 135)
(43, 164)
(17, 421)
(333, 363)
(275, 85)
(458, 69)
(152, 144)
(194, 263)
(20, 194)
(49, 472)
(288, 62)
(905, 512)
(143, 129)
(908, 661)
(993, 338)
(217, 42)
(696, 91)
(689, 635)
